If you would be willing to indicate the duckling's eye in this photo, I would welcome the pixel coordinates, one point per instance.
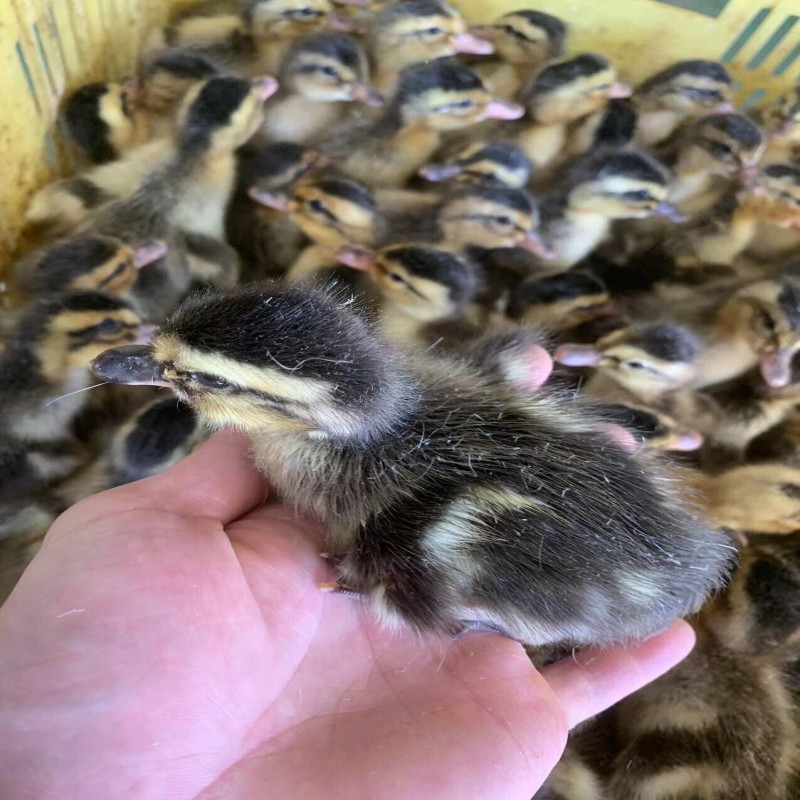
(720, 150)
(209, 381)
(317, 205)
(504, 221)
(329, 71)
(464, 104)
(434, 31)
(636, 364)
(109, 326)
(638, 196)
(765, 323)
(307, 12)
(395, 278)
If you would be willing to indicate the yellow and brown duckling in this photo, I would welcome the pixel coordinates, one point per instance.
(677, 94)
(320, 77)
(364, 436)
(654, 429)
(430, 100)
(781, 121)
(409, 32)
(493, 163)
(524, 41)
(611, 128)
(267, 240)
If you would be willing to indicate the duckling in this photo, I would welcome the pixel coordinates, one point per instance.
(524, 41)
(103, 121)
(266, 239)
(596, 190)
(159, 435)
(321, 75)
(86, 263)
(678, 93)
(369, 440)
(409, 32)
(781, 122)
(780, 443)
(559, 95)
(722, 723)
(777, 212)
(654, 429)
(430, 99)
(493, 163)
(612, 127)
(330, 212)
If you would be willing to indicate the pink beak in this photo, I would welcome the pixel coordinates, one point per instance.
(468, 43)
(500, 109)
(578, 355)
(669, 211)
(276, 200)
(148, 253)
(355, 257)
(363, 93)
(776, 368)
(267, 86)
(132, 89)
(619, 91)
(748, 177)
(337, 23)
(533, 244)
(146, 334)
(726, 108)
(439, 172)
(686, 441)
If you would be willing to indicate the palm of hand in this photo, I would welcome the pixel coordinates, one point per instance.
(163, 645)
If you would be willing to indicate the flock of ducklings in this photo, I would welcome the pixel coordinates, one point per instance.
(432, 205)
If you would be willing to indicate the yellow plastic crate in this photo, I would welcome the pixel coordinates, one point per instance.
(50, 46)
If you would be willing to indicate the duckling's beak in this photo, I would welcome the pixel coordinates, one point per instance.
(146, 334)
(276, 200)
(776, 367)
(748, 177)
(685, 442)
(578, 355)
(336, 23)
(469, 43)
(669, 211)
(267, 86)
(619, 91)
(533, 244)
(500, 109)
(132, 365)
(148, 253)
(440, 172)
(132, 89)
(356, 257)
(363, 93)
(726, 108)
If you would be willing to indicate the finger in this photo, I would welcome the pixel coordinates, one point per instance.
(595, 679)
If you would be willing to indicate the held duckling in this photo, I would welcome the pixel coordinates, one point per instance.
(409, 32)
(430, 99)
(524, 41)
(559, 95)
(493, 163)
(533, 523)
(781, 122)
(678, 93)
(266, 239)
(653, 428)
(321, 76)
(596, 190)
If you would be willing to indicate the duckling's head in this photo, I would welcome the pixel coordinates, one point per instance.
(626, 184)
(652, 358)
(690, 88)
(285, 19)
(278, 166)
(560, 302)
(766, 314)
(782, 118)
(773, 196)
(721, 144)
(493, 163)
(166, 77)
(491, 217)
(655, 429)
(99, 119)
(424, 282)
(445, 97)
(413, 31)
(67, 331)
(568, 90)
(91, 263)
(270, 360)
(526, 37)
(329, 68)
(221, 114)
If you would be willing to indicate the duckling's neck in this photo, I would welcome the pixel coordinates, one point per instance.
(654, 126)
(727, 355)
(295, 118)
(390, 61)
(507, 79)
(543, 143)
(574, 236)
(415, 144)
(695, 190)
(724, 247)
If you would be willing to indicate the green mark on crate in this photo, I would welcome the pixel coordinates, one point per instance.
(28, 77)
(753, 99)
(708, 8)
(787, 62)
(744, 37)
(57, 34)
(43, 55)
(761, 56)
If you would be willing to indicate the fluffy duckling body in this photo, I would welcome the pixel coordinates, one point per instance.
(524, 41)
(267, 240)
(777, 212)
(409, 32)
(612, 127)
(430, 99)
(492, 163)
(487, 467)
(321, 76)
(677, 94)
